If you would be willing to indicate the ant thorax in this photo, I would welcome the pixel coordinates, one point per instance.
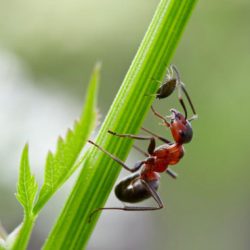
(167, 155)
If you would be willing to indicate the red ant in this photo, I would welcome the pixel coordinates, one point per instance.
(144, 184)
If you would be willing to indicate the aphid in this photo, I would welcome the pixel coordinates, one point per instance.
(171, 82)
(143, 183)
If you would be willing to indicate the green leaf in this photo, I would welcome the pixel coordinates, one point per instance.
(126, 115)
(60, 165)
(27, 186)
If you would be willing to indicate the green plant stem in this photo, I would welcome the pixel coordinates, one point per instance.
(126, 115)
(23, 236)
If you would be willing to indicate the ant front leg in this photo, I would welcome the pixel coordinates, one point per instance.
(149, 189)
(151, 146)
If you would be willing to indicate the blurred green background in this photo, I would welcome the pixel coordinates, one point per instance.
(47, 51)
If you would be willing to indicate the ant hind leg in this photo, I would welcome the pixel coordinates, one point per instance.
(152, 192)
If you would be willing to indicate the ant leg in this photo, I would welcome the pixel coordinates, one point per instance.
(160, 116)
(171, 173)
(138, 137)
(156, 136)
(136, 167)
(151, 146)
(152, 192)
(141, 151)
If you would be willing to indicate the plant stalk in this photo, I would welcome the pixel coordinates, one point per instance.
(22, 239)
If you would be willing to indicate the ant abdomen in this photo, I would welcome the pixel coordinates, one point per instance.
(131, 189)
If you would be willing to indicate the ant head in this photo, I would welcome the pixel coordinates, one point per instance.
(180, 127)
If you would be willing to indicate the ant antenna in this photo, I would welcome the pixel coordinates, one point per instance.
(181, 88)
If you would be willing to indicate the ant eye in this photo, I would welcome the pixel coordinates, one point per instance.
(182, 134)
(186, 134)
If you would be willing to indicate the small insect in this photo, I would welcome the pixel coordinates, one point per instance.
(171, 82)
(144, 180)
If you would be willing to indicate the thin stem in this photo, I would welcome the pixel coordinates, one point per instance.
(23, 237)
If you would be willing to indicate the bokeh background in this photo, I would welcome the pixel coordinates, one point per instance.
(47, 51)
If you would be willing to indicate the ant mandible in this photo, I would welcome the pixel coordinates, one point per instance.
(143, 184)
